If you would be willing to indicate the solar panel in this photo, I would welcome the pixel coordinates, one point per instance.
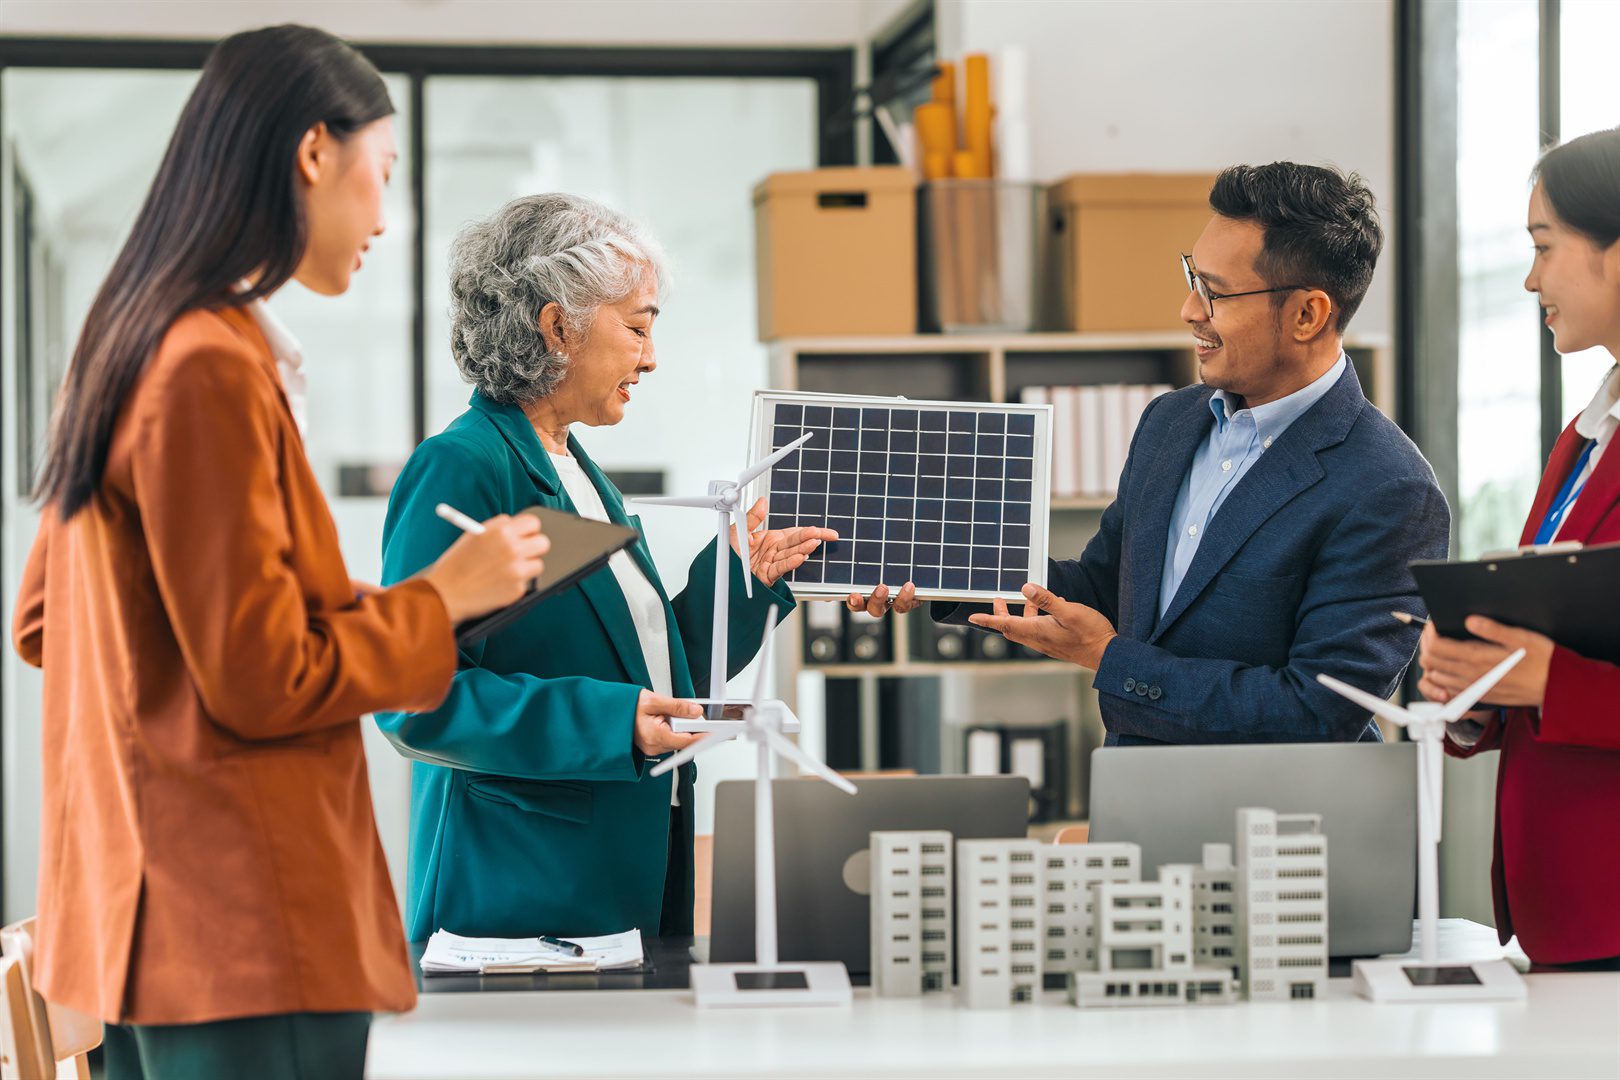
(949, 495)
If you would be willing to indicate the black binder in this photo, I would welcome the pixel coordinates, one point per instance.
(579, 548)
(1567, 595)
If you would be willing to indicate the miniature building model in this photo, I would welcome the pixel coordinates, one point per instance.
(1215, 936)
(1282, 904)
(1070, 871)
(998, 921)
(911, 913)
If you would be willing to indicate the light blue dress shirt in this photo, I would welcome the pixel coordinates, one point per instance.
(1235, 443)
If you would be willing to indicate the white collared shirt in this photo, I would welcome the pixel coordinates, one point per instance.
(289, 357)
(1598, 421)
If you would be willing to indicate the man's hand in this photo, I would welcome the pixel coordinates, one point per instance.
(1068, 631)
(878, 603)
(1451, 666)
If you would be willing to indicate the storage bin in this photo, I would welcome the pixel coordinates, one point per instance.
(1115, 238)
(835, 252)
(981, 256)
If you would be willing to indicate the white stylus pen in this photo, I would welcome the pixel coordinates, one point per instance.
(458, 519)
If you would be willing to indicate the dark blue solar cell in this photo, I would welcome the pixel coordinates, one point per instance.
(954, 579)
(841, 506)
(986, 558)
(875, 418)
(869, 526)
(903, 442)
(985, 580)
(956, 555)
(931, 420)
(896, 574)
(783, 482)
(958, 510)
(897, 531)
(992, 445)
(844, 461)
(1021, 446)
(987, 489)
(959, 488)
(1020, 424)
(1019, 491)
(783, 504)
(812, 508)
(899, 508)
(846, 418)
(1012, 580)
(1014, 557)
(817, 415)
(903, 487)
(987, 511)
(869, 551)
(841, 483)
(1015, 535)
(932, 442)
(873, 461)
(928, 555)
(843, 526)
(1016, 514)
(874, 439)
(958, 532)
(903, 420)
(958, 466)
(867, 574)
(846, 439)
(929, 530)
(789, 414)
(986, 535)
(810, 572)
(814, 461)
(990, 468)
(902, 464)
(926, 577)
(964, 421)
(931, 465)
(1020, 468)
(930, 487)
(993, 422)
(930, 509)
(873, 484)
(960, 443)
(839, 551)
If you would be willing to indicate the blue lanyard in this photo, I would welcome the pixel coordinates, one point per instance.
(1566, 497)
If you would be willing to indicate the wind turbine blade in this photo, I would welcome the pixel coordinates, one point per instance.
(702, 746)
(701, 502)
(739, 517)
(763, 466)
(1470, 697)
(1371, 702)
(764, 657)
(805, 761)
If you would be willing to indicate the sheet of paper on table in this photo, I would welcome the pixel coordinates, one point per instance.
(452, 954)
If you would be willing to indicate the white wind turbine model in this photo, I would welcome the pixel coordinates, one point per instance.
(1398, 980)
(725, 498)
(767, 981)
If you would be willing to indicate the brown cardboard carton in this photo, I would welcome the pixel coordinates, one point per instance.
(836, 252)
(1115, 239)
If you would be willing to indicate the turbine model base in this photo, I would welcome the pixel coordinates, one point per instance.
(731, 717)
(1406, 982)
(738, 986)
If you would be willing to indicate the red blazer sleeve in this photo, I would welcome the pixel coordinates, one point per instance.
(1580, 706)
(207, 468)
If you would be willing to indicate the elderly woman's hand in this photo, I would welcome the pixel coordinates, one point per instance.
(774, 552)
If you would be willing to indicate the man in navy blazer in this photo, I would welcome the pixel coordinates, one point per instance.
(1265, 519)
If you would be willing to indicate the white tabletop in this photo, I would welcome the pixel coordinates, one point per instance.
(1569, 1027)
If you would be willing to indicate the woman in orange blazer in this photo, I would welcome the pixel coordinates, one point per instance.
(211, 882)
(1556, 871)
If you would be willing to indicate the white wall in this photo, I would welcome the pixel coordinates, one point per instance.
(1196, 85)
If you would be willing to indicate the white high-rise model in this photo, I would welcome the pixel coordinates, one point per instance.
(1215, 917)
(725, 498)
(1144, 936)
(1070, 871)
(1282, 907)
(1430, 980)
(998, 921)
(766, 981)
(911, 913)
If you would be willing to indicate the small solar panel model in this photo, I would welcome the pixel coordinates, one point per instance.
(952, 496)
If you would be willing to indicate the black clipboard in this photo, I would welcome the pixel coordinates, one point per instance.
(1563, 594)
(579, 548)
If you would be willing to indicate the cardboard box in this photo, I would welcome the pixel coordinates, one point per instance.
(1115, 237)
(835, 252)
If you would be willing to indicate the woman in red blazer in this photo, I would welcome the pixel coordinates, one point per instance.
(1556, 872)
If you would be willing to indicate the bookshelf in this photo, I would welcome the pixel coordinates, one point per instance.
(995, 368)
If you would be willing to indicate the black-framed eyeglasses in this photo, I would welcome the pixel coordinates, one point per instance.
(1196, 283)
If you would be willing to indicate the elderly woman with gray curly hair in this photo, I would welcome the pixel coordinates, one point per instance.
(533, 810)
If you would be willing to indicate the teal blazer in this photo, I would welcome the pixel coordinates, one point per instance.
(531, 809)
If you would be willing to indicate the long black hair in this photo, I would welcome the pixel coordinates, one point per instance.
(1582, 181)
(224, 206)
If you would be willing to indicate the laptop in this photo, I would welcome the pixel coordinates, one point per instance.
(1172, 800)
(823, 868)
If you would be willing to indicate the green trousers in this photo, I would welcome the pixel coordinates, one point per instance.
(285, 1046)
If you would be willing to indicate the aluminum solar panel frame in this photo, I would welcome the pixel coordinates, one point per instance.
(953, 496)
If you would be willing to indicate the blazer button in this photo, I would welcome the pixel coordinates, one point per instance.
(1130, 684)
(1154, 693)
(1141, 689)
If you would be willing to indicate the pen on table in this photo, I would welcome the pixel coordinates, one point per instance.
(566, 946)
(458, 519)
(1409, 619)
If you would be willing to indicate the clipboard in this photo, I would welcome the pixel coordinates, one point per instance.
(1562, 594)
(579, 548)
